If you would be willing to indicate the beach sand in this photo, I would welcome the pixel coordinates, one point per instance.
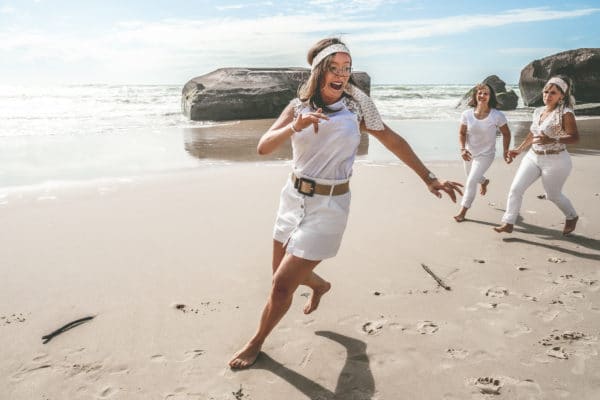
(176, 269)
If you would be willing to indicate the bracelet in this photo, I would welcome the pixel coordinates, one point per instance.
(293, 129)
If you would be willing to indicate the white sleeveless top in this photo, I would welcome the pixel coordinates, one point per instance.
(328, 155)
(551, 126)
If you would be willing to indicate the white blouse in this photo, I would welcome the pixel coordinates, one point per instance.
(551, 126)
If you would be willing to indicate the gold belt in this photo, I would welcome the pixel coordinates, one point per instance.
(309, 187)
(545, 152)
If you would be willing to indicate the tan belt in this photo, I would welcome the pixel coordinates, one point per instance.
(310, 188)
(545, 152)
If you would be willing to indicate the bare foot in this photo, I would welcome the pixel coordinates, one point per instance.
(246, 356)
(459, 218)
(508, 228)
(570, 225)
(313, 302)
(484, 186)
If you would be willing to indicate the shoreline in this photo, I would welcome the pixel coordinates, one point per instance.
(185, 150)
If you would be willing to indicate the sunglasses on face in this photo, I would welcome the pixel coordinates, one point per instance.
(340, 71)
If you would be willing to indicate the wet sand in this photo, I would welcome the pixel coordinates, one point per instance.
(176, 268)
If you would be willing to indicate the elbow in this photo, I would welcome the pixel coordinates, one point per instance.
(261, 149)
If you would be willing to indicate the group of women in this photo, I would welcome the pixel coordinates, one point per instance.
(324, 124)
(553, 127)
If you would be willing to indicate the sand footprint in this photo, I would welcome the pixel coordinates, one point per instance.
(107, 392)
(192, 354)
(374, 327)
(427, 328)
(458, 354)
(521, 329)
(488, 385)
(558, 352)
(497, 291)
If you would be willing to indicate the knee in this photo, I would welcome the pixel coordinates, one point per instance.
(281, 290)
(553, 196)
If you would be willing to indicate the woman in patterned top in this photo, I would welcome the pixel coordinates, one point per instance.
(553, 127)
(324, 124)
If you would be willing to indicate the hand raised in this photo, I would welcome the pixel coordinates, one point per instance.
(304, 120)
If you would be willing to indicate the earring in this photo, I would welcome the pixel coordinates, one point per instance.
(561, 101)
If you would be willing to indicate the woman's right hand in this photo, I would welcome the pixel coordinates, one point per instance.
(514, 153)
(303, 121)
(465, 154)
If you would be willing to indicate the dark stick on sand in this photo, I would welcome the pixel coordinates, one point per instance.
(70, 325)
(438, 280)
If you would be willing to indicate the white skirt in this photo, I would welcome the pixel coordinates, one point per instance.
(312, 227)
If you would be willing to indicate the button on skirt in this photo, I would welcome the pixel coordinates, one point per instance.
(312, 227)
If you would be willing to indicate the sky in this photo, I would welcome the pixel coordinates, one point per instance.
(394, 41)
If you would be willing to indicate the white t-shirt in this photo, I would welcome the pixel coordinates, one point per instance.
(481, 133)
(329, 154)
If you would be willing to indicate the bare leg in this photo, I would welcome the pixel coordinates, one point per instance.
(460, 217)
(318, 285)
(291, 272)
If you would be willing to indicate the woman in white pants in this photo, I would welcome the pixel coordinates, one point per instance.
(477, 139)
(553, 127)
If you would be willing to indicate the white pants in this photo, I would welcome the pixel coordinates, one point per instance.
(554, 170)
(475, 170)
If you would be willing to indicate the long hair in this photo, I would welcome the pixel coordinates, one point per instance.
(310, 91)
(493, 102)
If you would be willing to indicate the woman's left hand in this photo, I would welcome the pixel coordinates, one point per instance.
(436, 187)
(543, 139)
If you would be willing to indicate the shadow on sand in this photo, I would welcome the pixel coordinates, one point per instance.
(354, 383)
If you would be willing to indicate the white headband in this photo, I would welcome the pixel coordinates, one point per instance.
(560, 83)
(334, 48)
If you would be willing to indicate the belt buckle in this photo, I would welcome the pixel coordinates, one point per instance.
(305, 186)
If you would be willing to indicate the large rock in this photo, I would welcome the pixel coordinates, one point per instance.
(581, 65)
(247, 93)
(507, 100)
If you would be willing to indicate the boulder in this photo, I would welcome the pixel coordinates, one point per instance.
(247, 93)
(507, 100)
(581, 65)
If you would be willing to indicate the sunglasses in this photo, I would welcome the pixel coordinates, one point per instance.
(340, 71)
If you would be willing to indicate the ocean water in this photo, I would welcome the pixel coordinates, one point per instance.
(59, 134)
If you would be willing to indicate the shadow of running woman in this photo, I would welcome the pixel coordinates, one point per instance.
(354, 383)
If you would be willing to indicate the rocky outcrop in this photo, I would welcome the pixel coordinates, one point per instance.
(581, 65)
(507, 100)
(247, 93)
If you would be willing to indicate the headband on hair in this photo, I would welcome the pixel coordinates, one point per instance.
(558, 82)
(334, 48)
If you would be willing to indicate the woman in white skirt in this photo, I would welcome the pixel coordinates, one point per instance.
(324, 124)
(553, 127)
(477, 139)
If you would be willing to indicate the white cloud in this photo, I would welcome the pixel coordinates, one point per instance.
(7, 10)
(174, 46)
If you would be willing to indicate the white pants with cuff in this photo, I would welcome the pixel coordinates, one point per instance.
(553, 169)
(475, 170)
